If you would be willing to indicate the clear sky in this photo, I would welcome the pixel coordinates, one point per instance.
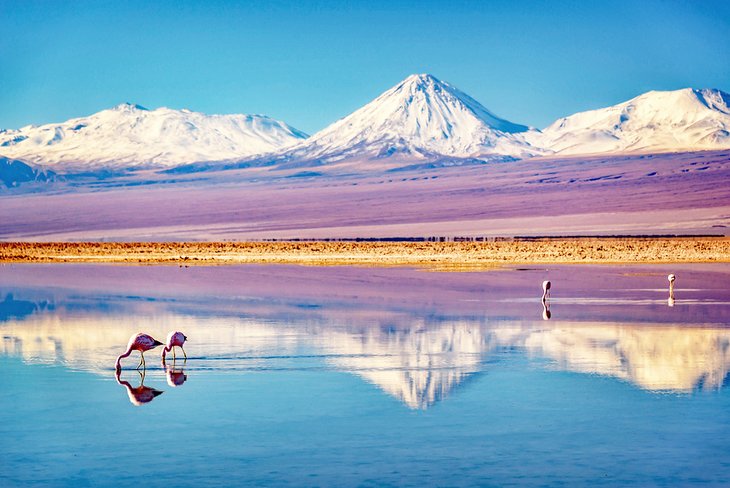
(310, 63)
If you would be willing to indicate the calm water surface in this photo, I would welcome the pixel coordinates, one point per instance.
(368, 377)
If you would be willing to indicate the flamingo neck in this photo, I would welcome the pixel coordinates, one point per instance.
(123, 355)
(165, 350)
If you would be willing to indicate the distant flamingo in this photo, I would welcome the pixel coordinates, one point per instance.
(174, 339)
(139, 342)
(671, 279)
(138, 395)
(545, 290)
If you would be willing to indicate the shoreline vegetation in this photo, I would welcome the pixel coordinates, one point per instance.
(451, 255)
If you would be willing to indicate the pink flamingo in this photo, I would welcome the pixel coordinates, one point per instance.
(140, 342)
(174, 339)
(138, 395)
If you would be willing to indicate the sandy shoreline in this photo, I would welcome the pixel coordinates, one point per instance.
(450, 255)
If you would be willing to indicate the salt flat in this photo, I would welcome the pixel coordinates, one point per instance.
(632, 194)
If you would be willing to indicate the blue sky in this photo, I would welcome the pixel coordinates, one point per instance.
(310, 63)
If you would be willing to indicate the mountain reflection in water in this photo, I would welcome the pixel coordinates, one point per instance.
(419, 364)
(418, 357)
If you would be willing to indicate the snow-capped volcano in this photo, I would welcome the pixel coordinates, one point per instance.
(420, 117)
(130, 135)
(657, 121)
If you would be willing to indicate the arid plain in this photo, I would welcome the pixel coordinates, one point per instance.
(432, 255)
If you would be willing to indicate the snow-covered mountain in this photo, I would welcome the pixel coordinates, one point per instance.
(422, 120)
(657, 121)
(421, 117)
(132, 136)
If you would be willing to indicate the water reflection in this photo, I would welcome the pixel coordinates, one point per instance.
(138, 395)
(546, 310)
(419, 363)
(175, 376)
(419, 349)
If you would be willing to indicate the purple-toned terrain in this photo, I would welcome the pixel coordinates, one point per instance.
(631, 194)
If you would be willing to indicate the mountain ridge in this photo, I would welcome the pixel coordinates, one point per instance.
(656, 121)
(129, 135)
(419, 121)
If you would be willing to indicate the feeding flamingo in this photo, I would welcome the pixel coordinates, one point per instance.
(545, 290)
(139, 342)
(174, 339)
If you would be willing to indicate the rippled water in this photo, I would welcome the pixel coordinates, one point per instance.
(360, 376)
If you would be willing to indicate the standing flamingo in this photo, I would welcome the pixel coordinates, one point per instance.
(139, 342)
(671, 279)
(545, 290)
(174, 339)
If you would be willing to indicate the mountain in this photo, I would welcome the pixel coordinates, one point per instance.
(420, 118)
(132, 136)
(421, 121)
(14, 172)
(657, 121)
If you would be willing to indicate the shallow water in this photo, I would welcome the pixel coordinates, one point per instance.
(362, 376)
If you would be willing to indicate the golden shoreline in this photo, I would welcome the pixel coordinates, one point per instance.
(433, 255)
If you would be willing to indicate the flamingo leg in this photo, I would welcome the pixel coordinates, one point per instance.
(144, 363)
(141, 360)
(173, 353)
(184, 354)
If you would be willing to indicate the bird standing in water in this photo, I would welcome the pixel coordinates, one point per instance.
(139, 342)
(671, 279)
(545, 290)
(174, 339)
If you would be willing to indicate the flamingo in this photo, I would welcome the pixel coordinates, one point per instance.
(139, 342)
(671, 279)
(174, 339)
(545, 290)
(138, 395)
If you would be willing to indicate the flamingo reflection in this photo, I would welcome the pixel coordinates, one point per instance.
(546, 310)
(175, 377)
(138, 395)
